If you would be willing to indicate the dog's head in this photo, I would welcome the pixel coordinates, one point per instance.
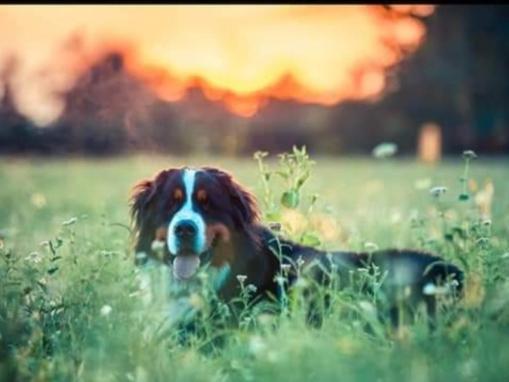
(192, 211)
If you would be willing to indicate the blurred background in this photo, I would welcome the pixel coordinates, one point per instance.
(230, 80)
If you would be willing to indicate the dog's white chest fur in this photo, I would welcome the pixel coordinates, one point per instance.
(173, 298)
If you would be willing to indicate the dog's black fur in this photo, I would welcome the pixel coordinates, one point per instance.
(256, 252)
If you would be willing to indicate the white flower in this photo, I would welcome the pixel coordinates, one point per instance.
(257, 345)
(469, 154)
(141, 255)
(34, 257)
(38, 200)
(71, 221)
(385, 150)
(106, 310)
(368, 308)
(280, 280)
(431, 289)
(422, 184)
(438, 191)
(301, 283)
(370, 246)
(157, 245)
(273, 356)
(241, 278)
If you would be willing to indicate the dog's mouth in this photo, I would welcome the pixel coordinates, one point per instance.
(185, 266)
(187, 262)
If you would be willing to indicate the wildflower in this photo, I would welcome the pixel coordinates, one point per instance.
(431, 289)
(280, 280)
(106, 310)
(395, 217)
(241, 278)
(469, 368)
(196, 301)
(482, 241)
(70, 221)
(265, 319)
(157, 245)
(385, 150)
(285, 267)
(368, 308)
(300, 262)
(38, 200)
(224, 310)
(422, 184)
(301, 283)
(347, 345)
(469, 154)
(260, 154)
(257, 345)
(252, 288)
(370, 246)
(272, 356)
(34, 257)
(438, 191)
(140, 256)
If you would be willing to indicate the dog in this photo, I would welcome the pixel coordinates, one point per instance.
(192, 219)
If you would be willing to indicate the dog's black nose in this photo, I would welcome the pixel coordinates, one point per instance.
(186, 229)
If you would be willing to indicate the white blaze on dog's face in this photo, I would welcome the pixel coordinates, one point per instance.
(186, 232)
(188, 218)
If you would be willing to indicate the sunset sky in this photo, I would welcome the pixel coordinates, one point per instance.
(242, 55)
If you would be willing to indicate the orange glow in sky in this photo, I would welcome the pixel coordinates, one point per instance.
(242, 55)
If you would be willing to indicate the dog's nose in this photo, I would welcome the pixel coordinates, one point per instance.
(186, 229)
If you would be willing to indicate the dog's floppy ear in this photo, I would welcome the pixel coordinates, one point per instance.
(143, 196)
(244, 203)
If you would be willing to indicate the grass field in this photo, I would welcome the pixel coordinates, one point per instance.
(69, 308)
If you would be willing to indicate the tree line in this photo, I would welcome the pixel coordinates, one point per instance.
(458, 78)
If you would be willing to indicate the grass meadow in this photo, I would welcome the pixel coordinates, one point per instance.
(70, 307)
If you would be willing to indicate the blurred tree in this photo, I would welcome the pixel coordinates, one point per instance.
(458, 79)
(17, 133)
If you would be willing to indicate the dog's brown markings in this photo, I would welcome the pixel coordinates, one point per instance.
(221, 235)
(178, 195)
(161, 233)
(202, 196)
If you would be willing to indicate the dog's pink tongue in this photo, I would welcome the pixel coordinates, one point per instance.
(185, 266)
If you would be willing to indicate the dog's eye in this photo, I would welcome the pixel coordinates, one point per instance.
(178, 195)
(202, 197)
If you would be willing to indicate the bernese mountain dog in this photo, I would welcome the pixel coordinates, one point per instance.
(189, 220)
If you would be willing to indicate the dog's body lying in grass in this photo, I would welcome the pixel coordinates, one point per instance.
(191, 220)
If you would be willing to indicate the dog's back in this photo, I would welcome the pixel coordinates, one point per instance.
(404, 278)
